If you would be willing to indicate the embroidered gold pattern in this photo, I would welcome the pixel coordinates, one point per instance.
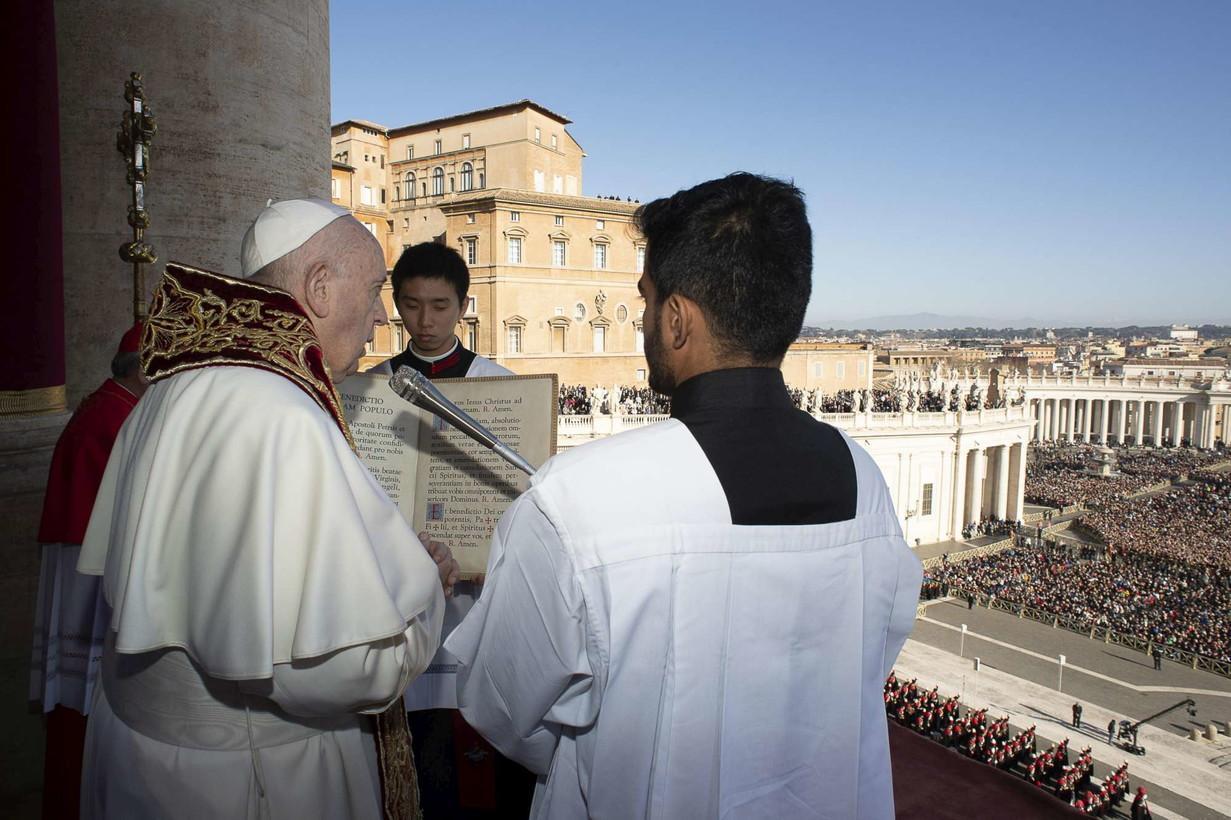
(398, 778)
(205, 326)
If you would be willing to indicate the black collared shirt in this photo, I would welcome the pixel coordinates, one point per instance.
(776, 464)
(453, 366)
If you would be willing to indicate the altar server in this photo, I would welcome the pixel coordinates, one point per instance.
(70, 621)
(696, 619)
(266, 593)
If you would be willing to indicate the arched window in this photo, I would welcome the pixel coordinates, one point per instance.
(467, 176)
(438, 181)
(410, 185)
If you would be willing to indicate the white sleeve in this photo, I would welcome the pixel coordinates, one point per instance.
(523, 668)
(367, 678)
(905, 605)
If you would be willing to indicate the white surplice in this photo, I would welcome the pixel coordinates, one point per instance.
(653, 660)
(265, 594)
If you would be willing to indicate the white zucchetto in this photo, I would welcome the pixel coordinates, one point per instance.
(281, 227)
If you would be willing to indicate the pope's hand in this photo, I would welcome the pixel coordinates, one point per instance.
(445, 565)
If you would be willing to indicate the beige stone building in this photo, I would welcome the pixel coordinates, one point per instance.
(553, 273)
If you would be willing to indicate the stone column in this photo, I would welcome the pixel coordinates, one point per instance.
(1139, 422)
(1017, 475)
(1086, 407)
(1055, 419)
(958, 507)
(1104, 407)
(974, 509)
(1158, 423)
(1121, 422)
(1177, 423)
(1002, 482)
(1070, 420)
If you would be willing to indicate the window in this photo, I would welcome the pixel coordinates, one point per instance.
(600, 224)
(640, 374)
(925, 507)
(397, 192)
(641, 259)
(555, 142)
(467, 176)
(472, 252)
(371, 226)
(600, 339)
(397, 337)
(557, 184)
(383, 194)
(818, 370)
(450, 183)
(337, 188)
(465, 140)
(839, 370)
(540, 183)
(410, 152)
(482, 182)
(557, 338)
(514, 339)
(410, 185)
(639, 340)
(559, 311)
(558, 252)
(559, 221)
(600, 256)
(472, 335)
(469, 219)
(437, 146)
(382, 161)
(472, 303)
(862, 368)
(438, 181)
(538, 135)
(515, 216)
(621, 314)
(365, 195)
(514, 250)
(579, 311)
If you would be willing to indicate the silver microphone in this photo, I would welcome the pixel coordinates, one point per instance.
(417, 389)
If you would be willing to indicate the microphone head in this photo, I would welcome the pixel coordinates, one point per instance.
(407, 383)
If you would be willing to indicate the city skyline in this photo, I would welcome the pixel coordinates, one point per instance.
(1081, 151)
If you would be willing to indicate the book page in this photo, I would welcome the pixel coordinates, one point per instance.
(463, 488)
(385, 428)
(443, 481)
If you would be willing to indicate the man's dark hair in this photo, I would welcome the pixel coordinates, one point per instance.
(741, 248)
(125, 364)
(432, 260)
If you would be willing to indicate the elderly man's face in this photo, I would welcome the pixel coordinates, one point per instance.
(356, 307)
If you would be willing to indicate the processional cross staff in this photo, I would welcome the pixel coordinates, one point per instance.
(137, 129)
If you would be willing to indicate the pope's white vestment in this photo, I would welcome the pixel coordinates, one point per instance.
(266, 595)
(651, 659)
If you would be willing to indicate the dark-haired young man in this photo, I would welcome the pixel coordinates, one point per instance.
(457, 770)
(430, 286)
(696, 619)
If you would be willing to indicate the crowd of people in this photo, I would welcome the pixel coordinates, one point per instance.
(1057, 475)
(578, 400)
(971, 733)
(1171, 603)
(574, 400)
(1189, 524)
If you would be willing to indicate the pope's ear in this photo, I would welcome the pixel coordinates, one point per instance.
(318, 287)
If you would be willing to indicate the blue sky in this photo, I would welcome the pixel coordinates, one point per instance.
(1068, 161)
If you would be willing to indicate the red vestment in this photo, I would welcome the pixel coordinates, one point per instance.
(76, 471)
(79, 460)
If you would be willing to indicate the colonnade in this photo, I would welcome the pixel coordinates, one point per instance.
(1137, 421)
(988, 481)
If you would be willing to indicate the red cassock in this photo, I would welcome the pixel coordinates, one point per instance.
(76, 471)
(78, 463)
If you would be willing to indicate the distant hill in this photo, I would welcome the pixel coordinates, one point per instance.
(922, 321)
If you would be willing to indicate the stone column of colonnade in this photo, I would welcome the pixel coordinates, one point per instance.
(1177, 423)
(1087, 412)
(1139, 421)
(1104, 420)
(1002, 482)
(1158, 423)
(977, 472)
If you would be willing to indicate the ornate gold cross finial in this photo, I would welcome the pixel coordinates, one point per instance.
(137, 129)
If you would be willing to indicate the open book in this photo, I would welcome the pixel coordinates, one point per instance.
(443, 481)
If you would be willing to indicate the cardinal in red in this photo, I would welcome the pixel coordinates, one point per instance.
(72, 617)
